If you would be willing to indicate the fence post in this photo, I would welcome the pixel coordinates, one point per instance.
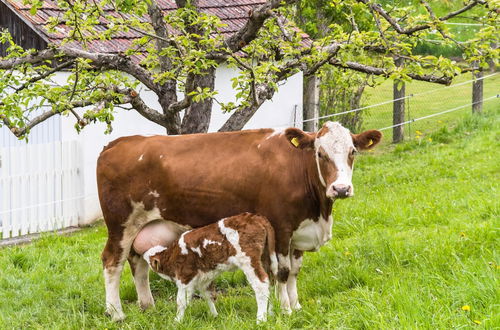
(311, 103)
(398, 113)
(477, 91)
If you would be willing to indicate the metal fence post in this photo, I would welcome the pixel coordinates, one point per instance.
(398, 112)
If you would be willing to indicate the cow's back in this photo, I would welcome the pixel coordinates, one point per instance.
(197, 179)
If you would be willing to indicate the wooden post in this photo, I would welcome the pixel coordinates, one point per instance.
(477, 92)
(398, 112)
(311, 103)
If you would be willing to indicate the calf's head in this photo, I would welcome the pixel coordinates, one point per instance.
(334, 149)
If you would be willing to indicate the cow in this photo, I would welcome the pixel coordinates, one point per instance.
(193, 261)
(188, 181)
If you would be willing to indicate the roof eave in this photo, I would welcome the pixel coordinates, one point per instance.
(27, 22)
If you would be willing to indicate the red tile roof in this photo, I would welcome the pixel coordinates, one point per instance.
(233, 13)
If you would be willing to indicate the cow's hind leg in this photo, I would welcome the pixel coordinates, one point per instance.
(140, 271)
(112, 260)
(295, 264)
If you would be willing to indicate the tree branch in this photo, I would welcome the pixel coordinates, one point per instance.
(409, 31)
(45, 75)
(385, 73)
(31, 58)
(256, 19)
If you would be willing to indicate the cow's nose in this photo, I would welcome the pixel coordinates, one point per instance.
(342, 190)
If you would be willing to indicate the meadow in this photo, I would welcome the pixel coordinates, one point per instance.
(416, 247)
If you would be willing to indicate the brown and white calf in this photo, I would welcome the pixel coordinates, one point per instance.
(289, 176)
(245, 242)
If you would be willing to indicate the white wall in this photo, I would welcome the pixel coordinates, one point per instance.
(278, 112)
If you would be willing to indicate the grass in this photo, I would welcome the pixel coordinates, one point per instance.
(417, 243)
(428, 99)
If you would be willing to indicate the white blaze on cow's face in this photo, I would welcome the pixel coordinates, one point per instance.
(334, 151)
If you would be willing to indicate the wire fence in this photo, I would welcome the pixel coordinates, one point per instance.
(428, 107)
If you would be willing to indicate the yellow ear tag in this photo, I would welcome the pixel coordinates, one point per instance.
(295, 142)
(370, 143)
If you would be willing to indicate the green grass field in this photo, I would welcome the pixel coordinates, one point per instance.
(417, 243)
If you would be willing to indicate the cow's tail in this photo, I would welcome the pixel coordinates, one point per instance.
(271, 247)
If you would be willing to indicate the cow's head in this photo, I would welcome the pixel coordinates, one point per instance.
(334, 147)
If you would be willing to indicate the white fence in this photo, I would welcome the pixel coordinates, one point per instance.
(40, 188)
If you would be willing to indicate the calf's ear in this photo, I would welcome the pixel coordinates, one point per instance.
(367, 139)
(299, 139)
(154, 261)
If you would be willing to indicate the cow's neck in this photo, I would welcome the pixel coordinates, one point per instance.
(322, 204)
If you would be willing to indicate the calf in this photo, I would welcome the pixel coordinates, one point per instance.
(245, 241)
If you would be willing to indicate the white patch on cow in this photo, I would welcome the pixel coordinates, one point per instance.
(311, 235)
(337, 143)
(197, 250)
(153, 251)
(137, 219)
(161, 156)
(154, 193)
(141, 157)
(182, 244)
(276, 131)
(261, 289)
(207, 242)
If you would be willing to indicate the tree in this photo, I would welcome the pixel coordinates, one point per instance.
(179, 51)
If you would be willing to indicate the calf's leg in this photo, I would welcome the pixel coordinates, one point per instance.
(208, 297)
(184, 295)
(261, 288)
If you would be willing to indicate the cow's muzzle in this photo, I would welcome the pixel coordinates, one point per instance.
(339, 191)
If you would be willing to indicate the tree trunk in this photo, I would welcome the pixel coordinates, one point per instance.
(398, 115)
(197, 116)
(311, 103)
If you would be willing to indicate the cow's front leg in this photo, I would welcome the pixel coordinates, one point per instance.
(283, 273)
(295, 264)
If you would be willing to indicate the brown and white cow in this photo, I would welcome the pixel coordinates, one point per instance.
(289, 176)
(193, 261)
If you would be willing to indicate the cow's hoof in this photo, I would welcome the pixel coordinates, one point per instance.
(115, 316)
(286, 311)
(146, 304)
(297, 307)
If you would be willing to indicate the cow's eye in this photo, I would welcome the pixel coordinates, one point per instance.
(323, 155)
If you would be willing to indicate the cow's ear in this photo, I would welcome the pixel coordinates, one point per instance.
(154, 261)
(299, 139)
(367, 139)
